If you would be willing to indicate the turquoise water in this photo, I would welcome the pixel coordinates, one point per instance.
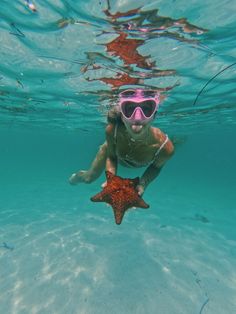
(61, 253)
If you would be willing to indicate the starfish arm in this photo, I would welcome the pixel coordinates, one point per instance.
(98, 197)
(141, 203)
(118, 216)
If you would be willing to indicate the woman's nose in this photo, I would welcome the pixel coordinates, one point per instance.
(138, 114)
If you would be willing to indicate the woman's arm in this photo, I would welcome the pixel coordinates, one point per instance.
(111, 161)
(154, 169)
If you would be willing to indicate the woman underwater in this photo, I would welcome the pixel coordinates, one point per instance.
(131, 140)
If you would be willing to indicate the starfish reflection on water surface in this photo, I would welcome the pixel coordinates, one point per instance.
(121, 194)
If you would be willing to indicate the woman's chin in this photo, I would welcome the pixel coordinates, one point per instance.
(136, 128)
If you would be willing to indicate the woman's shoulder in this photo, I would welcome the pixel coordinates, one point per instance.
(110, 129)
(162, 138)
(158, 135)
(113, 120)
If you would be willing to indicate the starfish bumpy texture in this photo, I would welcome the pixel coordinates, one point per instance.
(121, 194)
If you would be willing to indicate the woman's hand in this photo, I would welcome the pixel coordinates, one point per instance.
(80, 176)
(140, 189)
(104, 184)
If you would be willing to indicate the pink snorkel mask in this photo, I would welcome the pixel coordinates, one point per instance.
(138, 105)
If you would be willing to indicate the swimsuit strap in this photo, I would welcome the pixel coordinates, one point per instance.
(162, 145)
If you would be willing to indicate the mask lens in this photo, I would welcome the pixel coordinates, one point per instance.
(128, 108)
(148, 107)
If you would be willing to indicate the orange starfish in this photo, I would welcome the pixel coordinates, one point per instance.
(120, 194)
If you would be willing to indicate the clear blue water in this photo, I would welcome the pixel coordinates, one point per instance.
(61, 253)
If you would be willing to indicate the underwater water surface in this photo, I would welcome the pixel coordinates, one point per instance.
(63, 64)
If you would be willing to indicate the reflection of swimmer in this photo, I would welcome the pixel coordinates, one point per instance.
(125, 79)
(133, 28)
(117, 15)
(126, 49)
(119, 80)
(131, 140)
(150, 21)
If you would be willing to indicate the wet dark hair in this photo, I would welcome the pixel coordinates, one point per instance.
(114, 116)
